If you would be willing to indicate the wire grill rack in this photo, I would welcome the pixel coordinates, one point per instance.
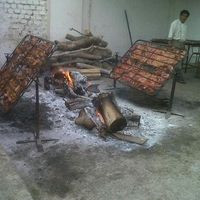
(21, 69)
(147, 66)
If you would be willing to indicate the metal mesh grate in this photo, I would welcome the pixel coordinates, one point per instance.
(21, 69)
(147, 66)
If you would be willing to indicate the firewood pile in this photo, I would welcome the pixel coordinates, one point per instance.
(85, 53)
(21, 69)
(147, 66)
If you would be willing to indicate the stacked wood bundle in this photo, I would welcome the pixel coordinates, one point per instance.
(81, 52)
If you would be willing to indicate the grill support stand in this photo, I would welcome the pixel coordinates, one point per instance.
(171, 100)
(128, 25)
(116, 62)
(37, 140)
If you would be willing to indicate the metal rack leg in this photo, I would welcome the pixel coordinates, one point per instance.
(37, 112)
(116, 63)
(172, 91)
(169, 112)
(187, 59)
(37, 139)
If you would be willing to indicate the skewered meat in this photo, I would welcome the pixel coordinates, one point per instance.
(147, 67)
(21, 69)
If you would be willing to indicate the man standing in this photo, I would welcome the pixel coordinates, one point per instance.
(177, 36)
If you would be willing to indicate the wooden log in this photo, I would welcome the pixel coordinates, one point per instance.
(74, 61)
(89, 71)
(93, 77)
(73, 38)
(67, 55)
(87, 66)
(94, 88)
(130, 138)
(77, 105)
(111, 114)
(102, 52)
(83, 43)
(84, 120)
(134, 119)
(76, 38)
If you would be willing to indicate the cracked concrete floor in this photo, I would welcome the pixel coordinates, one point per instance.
(169, 170)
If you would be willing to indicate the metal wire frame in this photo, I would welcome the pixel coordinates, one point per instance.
(20, 66)
(153, 46)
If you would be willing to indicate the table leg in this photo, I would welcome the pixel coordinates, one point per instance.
(187, 58)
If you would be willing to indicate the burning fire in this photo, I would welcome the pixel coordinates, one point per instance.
(100, 117)
(69, 79)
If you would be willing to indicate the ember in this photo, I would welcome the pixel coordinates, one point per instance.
(68, 83)
(100, 116)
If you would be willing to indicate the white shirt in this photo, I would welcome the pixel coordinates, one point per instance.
(178, 30)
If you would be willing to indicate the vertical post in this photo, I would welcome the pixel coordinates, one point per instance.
(128, 25)
(187, 58)
(172, 91)
(116, 62)
(37, 117)
(37, 110)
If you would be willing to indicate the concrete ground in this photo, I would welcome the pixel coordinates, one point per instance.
(11, 185)
(167, 170)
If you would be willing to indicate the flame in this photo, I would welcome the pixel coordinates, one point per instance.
(69, 79)
(100, 117)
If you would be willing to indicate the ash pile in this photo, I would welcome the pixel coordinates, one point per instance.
(96, 110)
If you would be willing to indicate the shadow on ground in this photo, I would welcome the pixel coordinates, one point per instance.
(22, 116)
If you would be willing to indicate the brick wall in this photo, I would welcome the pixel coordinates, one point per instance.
(18, 18)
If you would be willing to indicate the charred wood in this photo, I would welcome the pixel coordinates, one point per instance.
(84, 120)
(130, 138)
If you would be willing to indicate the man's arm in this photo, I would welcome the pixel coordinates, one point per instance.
(171, 33)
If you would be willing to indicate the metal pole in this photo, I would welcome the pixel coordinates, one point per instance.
(128, 25)
(37, 139)
(37, 117)
(37, 109)
(116, 62)
(73, 29)
(187, 58)
(172, 91)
